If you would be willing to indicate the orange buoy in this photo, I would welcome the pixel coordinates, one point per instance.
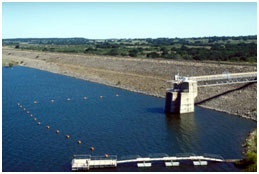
(92, 148)
(47, 126)
(57, 131)
(68, 99)
(38, 123)
(79, 142)
(85, 98)
(52, 101)
(106, 155)
(67, 136)
(35, 102)
(101, 96)
(117, 95)
(35, 119)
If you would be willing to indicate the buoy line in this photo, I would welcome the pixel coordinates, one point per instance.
(57, 131)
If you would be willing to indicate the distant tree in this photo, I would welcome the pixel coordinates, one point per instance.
(89, 49)
(17, 46)
(140, 49)
(52, 49)
(113, 52)
(124, 54)
(153, 55)
(133, 53)
(183, 47)
(197, 42)
(164, 51)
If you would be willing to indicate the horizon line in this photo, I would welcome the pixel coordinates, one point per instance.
(127, 38)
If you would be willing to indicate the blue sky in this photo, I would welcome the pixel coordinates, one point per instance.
(128, 20)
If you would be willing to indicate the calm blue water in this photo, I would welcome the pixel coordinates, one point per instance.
(126, 125)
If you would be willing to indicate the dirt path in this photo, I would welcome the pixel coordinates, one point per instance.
(146, 76)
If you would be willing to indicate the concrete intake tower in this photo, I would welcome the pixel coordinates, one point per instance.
(180, 98)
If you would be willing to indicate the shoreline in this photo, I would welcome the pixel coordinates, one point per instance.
(144, 93)
(135, 81)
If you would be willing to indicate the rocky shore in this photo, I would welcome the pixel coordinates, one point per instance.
(147, 76)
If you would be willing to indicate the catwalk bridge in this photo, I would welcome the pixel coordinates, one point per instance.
(85, 162)
(183, 90)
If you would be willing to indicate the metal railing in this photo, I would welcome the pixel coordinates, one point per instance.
(82, 156)
(110, 157)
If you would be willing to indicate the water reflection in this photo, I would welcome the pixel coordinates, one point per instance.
(183, 131)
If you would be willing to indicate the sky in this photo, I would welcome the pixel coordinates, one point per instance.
(128, 20)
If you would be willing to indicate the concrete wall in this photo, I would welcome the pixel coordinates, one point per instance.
(181, 98)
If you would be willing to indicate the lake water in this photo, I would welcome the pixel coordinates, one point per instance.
(128, 124)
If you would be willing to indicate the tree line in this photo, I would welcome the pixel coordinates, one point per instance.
(242, 48)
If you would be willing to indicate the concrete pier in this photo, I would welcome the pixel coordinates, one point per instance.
(180, 99)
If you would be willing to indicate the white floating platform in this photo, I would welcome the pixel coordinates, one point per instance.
(95, 162)
(171, 164)
(200, 163)
(144, 164)
(80, 164)
(102, 163)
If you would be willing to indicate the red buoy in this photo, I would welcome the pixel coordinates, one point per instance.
(67, 136)
(117, 95)
(92, 148)
(28, 112)
(57, 131)
(24, 109)
(35, 102)
(31, 115)
(101, 96)
(79, 142)
(35, 119)
(47, 126)
(52, 101)
(38, 123)
(106, 155)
